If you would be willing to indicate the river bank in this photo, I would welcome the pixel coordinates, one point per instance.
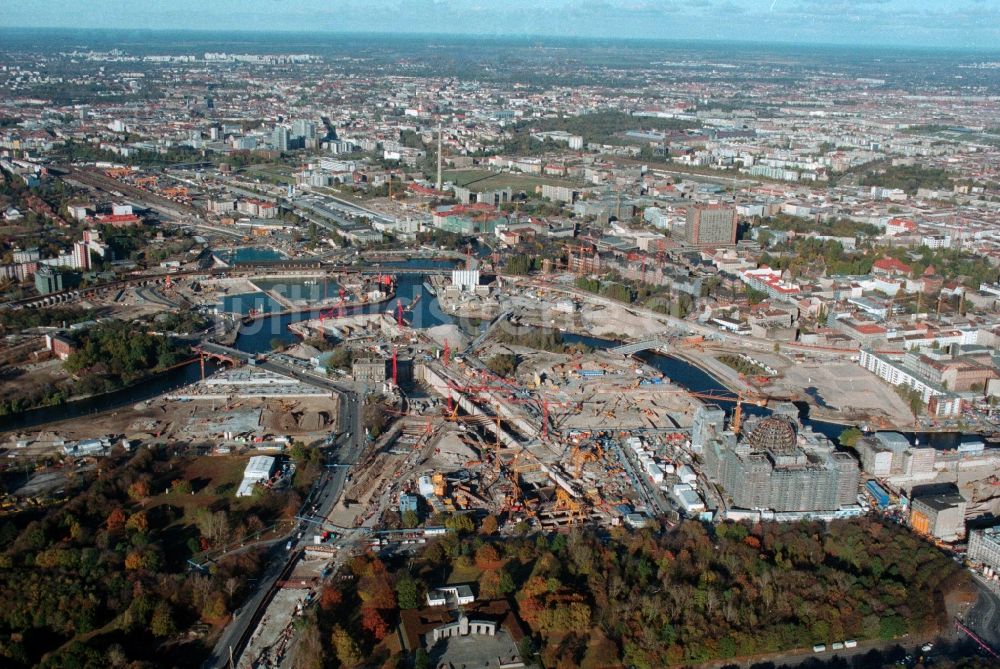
(144, 389)
(730, 379)
(688, 371)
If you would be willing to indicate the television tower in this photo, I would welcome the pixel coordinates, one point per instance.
(439, 158)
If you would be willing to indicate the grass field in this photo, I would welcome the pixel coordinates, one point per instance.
(481, 180)
(211, 477)
(462, 574)
(276, 173)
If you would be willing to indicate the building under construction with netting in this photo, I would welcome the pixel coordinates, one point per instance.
(777, 465)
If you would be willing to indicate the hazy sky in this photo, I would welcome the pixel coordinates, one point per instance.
(958, 23)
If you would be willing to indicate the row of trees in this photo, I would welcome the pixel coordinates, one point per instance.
(539, 338)
(742, 365)
(909, 178)
(657, 298)
(839, 227)
(16, 320)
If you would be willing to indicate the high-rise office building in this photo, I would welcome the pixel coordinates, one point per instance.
(81, 255)
(303, 128)
(280, 138)
(710, 225)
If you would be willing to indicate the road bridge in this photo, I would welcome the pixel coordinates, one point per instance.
(639, 346)
(281, 267)
(228, 354)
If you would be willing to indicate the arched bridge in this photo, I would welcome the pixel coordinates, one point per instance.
(220, 352)
(636, 347)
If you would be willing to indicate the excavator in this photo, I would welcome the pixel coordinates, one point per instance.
(565, 502)
(579, 457)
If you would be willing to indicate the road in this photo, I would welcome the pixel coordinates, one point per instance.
(324, 494)
(806, 657)
(983, 617)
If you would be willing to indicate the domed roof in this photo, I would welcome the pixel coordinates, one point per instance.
(774, 433)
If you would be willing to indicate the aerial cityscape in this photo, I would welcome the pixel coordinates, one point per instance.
(494, 348)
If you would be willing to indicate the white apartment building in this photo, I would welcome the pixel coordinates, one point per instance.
(896, 373)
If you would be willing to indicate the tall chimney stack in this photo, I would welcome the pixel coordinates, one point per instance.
(439, 184)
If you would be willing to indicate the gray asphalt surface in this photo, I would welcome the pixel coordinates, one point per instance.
(984, 616)
(324, 495)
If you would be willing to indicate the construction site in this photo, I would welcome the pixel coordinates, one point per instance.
(535, 446)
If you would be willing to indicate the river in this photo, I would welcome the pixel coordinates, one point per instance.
(257, 337)
(697, 380)
(143, 390)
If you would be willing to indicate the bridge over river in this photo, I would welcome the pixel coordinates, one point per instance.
(640, 346)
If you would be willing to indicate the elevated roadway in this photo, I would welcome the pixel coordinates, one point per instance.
(287, 267)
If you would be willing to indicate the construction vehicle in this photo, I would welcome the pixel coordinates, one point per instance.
(565, 502)
(176, 192)
(579, 457)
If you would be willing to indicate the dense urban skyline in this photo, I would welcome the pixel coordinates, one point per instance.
(951, 23)
(529, 335)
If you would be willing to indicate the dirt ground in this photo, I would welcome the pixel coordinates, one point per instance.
(841, 389)
(615, 321)
(587, 403)
(838, 390)
(161, 419)
(25, 380)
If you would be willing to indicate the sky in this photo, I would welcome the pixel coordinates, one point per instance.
(932, 23)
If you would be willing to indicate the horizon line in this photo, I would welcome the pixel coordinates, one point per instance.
(506, 35)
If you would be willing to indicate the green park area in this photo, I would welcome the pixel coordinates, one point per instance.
(484, 180)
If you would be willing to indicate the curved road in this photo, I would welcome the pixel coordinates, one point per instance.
(324, 495)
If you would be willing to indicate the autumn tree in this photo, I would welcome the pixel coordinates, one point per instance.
(487, 558)
(138, 522)
(139, 489)
(490, 525)
(330, 599)
(162, 622)
(489, 585)
(181, 487)
(345, 647)
(116, 520)
(214, 527)
(373, 622)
